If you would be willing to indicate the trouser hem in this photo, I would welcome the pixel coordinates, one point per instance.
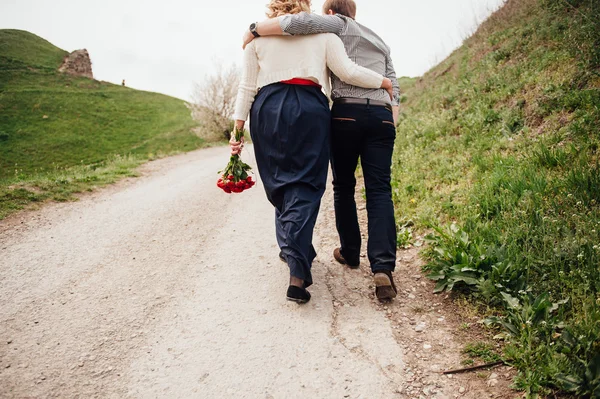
(380, 268)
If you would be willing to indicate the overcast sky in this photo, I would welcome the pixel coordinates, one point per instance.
(165, 46)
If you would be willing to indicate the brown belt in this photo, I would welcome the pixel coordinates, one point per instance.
(363, 101)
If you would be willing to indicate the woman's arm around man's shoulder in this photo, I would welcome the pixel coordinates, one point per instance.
(350, 72)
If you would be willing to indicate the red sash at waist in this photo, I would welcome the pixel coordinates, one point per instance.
(301, 82)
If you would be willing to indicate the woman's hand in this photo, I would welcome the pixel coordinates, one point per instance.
(236, 146)
(387, 85)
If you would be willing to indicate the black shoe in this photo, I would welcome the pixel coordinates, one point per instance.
(385, 289)
(282, 257)
(337, 254)
(297, 294)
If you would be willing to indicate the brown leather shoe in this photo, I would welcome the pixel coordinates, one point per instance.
(385, 289)
(337, 254)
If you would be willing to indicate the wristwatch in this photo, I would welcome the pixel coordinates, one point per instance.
(253, 28)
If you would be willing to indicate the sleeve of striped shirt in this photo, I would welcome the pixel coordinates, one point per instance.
(310, 24)
(390, 73)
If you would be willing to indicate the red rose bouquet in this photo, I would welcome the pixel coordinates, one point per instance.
(234, 178)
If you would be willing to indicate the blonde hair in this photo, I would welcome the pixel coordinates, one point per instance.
(277, 8)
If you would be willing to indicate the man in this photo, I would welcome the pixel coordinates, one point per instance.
(363, 125)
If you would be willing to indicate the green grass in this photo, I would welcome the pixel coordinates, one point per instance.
(497, 152)
(53, 126)
(482, 351)
(60, 184)
(21, 49)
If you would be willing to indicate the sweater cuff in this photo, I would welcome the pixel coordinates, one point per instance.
(240, 117)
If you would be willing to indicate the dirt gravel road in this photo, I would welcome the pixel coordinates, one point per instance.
(164, 287)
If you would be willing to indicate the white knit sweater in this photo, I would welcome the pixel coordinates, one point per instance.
(275, 58)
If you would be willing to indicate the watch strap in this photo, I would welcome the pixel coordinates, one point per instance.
(253, 29)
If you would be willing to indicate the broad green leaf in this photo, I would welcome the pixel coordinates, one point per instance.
(510, 327)
(512, 302)
(442, 252)
(440, 286)
(569, 383)
(568, 338)
(464, 238)
(467, 280)
(436, 276)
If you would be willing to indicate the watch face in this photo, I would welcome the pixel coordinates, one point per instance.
(253, 26)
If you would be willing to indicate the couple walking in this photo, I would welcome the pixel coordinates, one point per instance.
(295, 133)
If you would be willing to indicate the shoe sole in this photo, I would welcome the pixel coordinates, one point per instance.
(384, 289)
(298, 301)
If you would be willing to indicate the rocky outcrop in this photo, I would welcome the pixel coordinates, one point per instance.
(77, 63)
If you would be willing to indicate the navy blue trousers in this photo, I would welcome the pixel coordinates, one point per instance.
(290, 129)
(365, 132)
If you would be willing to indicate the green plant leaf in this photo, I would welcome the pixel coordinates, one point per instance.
(440, 286)
(464, 238)
(510, 327)
(557, 305)
(569, 383)
(464, 277)
(568, 339)
(436, 276)
(511, 301)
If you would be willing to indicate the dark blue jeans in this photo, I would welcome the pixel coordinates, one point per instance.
(366, 132)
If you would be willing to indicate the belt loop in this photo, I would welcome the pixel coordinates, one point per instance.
(368, 103)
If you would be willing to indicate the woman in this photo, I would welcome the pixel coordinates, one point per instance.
(290, 129)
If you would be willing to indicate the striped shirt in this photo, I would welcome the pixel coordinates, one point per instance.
(363, 46)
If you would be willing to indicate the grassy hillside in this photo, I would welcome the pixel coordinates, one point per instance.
(497, 151)
(23, 49)
(61, 134)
